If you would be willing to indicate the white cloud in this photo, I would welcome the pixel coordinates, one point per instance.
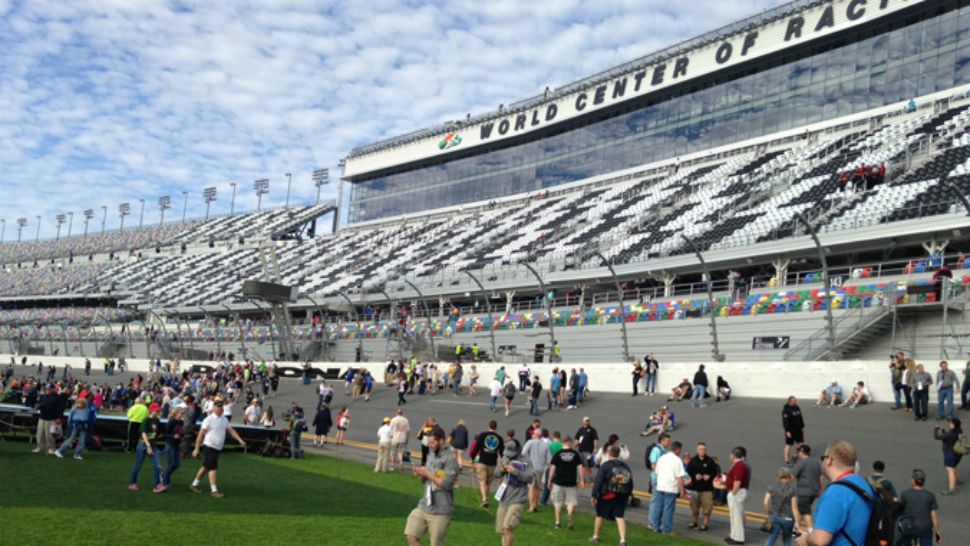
(105, 102)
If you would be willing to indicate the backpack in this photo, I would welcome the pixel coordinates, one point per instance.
(882, 519)
(962, 445)
(621, 480)
(509, 390)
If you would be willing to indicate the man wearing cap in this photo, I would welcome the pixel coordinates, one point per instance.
(513, 493)
(212, 436)
(919, 521)
(588, 443)
(433, 513)
(150, 444)
(384, 446)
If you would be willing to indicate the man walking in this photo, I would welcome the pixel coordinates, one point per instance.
(946, 382)
(51, 408)
(611, 492)
(513, 494)
(794, 425)
(670, 485)
(439, 473)
(701, 470)
(738, 480)
(842, 514)
(808, 484)
(588, 442)
(384, 446)
(534, 396)
(400, 428)
(212, 437)
(564, 474)
(150, 439)
(920, 512)
(536, 451)
(921, 392)
(487, 447)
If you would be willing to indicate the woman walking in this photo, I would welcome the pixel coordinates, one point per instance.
(78, 422)
(343, 423)
(472, 382)
(458, 439)
(780, 503)
(951, 459)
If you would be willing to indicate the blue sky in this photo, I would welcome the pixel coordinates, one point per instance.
(119, 100)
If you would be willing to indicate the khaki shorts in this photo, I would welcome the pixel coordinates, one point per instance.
(538, 480)
(702, 502)
(484, 474)
(563, 495)
(508, 517)
(421, 522)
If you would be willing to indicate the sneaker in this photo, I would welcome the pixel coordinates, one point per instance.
(594, 538)
(947, 492)
(159, 488)
(484, 503)
(195, 489)
(217, 495)
(78, 458)
(35, 450)
(58, 455)
(133, 487)
(557, 526)
(692, 526)
(570, 525)
(622, 543)
(51, 451)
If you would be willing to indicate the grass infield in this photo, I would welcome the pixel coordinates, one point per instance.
(317, 500)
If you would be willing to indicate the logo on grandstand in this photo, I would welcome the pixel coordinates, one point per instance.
(450, 141)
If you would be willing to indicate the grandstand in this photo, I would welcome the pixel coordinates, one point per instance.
(579, 227)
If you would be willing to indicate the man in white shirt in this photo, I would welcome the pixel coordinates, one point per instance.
(212, 436)
(860, 395)
(253, 413)
(494, 391)
(400, 427)
(383, 446)
(670, 485)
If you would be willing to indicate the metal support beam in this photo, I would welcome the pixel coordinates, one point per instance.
(619, 295)
(826, 283)
(488, 310)
(427, 312)
(545, 298)
(715, 349)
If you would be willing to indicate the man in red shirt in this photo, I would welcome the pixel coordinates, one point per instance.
(738, 479)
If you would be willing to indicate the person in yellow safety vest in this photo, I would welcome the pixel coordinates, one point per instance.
(556, 351)
(475, 350)
(458, 349)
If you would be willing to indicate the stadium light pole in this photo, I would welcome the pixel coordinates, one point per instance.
(141, 215)
(262, 187)
(185, 204)
(208, 195)
(619, 295)
(104, 217)
(60, 218)
(488, 311)
(21, 223)
(427, 312)
(124, 209)
(545, 297)
(826, 282)
(232, 200)
(88, 215)
(289, 182)
(164, 202)
(37, 237)
(715, 348)
(321, 177)
(3, 228)
(70, 223)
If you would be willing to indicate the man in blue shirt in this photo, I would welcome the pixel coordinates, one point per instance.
(842, 515)
(583, 383)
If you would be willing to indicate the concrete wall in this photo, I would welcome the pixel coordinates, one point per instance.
(748, 379)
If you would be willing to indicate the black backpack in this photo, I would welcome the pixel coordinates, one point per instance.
(621, 480)
(882, 518)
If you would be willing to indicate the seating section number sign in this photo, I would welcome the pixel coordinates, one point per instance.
(767, 343)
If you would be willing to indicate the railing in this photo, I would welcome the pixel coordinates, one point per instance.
(847, 325)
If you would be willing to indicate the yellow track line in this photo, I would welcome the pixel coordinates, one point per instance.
(757, 517)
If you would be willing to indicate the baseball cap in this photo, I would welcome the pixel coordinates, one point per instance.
(387, 419)
(154, 407)
(919, 476)
(586, 419)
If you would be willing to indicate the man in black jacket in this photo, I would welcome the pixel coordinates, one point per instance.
(794, 425)
(51, 407)
(700, 388)
(702, 470)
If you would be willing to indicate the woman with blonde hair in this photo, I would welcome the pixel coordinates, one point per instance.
(78, 422)
(458, 440)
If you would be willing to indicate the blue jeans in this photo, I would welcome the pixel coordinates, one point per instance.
(944, 397)
(534, 406)
(544, 496)
(491, 405)
(897, 394)
(662, 511)
(75, 433)
(698, 396)
(581, 395)
(141, 451)
(651, 382)
(781, 526)
(296, 452)
(174, 458)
